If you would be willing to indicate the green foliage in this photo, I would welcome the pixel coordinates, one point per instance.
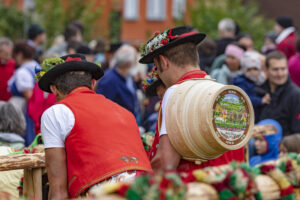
(11, 22)
(206, 14)
(54, 15)
(49, 63)
(51, 16)
(115, 25)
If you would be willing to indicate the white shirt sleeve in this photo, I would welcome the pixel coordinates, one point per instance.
(24, 80)
(163, 129)
(56, 124)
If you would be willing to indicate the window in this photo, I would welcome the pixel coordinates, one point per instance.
(131, 9)
(28, 5)
(156, 10)
(178, 9)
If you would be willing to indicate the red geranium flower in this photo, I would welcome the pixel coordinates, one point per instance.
(170, 36)
(164, 42)
(156, 33)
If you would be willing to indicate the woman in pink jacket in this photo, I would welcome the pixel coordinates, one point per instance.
(294, 65)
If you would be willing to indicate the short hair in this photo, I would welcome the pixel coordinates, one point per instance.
(274, 55)
(183, 54)
(244, 35)
(100, 46)
(125, 54)
(5, 41)
(79, 25)
(71, 31)
(207, 46)
(68, 81)
(291, 143)
(11, 120)
(22, 47)
(227, 25)
(34, 30)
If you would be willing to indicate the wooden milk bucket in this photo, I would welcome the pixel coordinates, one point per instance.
(205, 119)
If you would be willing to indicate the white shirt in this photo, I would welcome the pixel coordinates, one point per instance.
(163, 129)
(56, 124)
(23, 76)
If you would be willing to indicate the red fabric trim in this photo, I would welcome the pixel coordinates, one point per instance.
(153, 149)
(195, 74)
(72, 59)
(186, 34)
(171, 37)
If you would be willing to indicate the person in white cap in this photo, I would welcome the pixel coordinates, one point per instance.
(251, 78)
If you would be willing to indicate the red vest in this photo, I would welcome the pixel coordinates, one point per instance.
(104, 141)
(187, 166)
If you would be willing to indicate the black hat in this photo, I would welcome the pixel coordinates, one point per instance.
(284, 21)
(168, 39)
(151, 90)
(53, 67)
(34, 30)
(84, 49)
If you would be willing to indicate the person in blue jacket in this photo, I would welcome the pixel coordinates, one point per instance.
(117, 83)
(268, 135)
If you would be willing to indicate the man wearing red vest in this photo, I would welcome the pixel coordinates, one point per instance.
(174, 53)
(88, 138)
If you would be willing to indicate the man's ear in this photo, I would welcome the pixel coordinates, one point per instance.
(53, 89)
(164, 61)
(94, 84)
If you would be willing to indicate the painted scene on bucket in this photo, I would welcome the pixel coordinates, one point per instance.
(231, 117)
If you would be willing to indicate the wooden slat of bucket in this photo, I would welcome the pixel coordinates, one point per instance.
(22, 161)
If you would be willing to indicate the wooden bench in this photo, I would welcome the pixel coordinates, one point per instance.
(33, 165)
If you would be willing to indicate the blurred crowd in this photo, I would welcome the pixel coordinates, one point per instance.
(270, 76)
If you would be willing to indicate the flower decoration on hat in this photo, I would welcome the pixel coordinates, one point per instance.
(47, 64)
(159, 40)
(151, 78)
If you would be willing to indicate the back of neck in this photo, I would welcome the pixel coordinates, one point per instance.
(179, 72)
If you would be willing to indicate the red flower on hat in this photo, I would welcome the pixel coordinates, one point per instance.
(164, 42)
(156, 33)
(72, 59)
(170, 36)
